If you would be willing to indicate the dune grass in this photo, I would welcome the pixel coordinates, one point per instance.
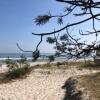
(22, 72)
(18, 73)
(91, 83)
(67, 64)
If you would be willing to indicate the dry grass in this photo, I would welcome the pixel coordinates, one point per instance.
(43, 74)
(91, 83)
(21, 73)
(67, 64)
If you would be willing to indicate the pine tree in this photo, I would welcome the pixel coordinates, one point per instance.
(97, 57)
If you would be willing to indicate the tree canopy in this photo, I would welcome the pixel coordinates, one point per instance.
(66, 43)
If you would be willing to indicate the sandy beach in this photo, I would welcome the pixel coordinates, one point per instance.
(41, 84)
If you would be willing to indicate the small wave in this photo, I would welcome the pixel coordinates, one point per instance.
(28, 58)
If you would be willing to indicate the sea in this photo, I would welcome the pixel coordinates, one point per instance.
(16, 56)
(43, 57)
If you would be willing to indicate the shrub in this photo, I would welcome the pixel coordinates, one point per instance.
(17, 69)
(97, 57)
(36, 55)
(18, 73)
(51, 58)
(22, 61)
(12, 65)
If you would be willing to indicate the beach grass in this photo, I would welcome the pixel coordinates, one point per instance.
(51, 73)
(23, 72)
(83, 87)
(91, 83)
(67, 64)
(19, 73)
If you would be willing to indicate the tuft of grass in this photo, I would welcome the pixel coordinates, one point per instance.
(19, 69)
(90, 65)
(18, 73)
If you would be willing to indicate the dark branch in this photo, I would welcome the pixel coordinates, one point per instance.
(67, 26)
(21, 48)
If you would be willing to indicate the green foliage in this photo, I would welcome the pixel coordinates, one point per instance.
(61, 44)
(17, 69)
(97, 57)
(12, 65)
(51, 58)
(57, 54)
(61, 48)
(23, 59)
(60, 20)
(43, 19)
(18, 73)
(64, 37)
(98, 53)
(75, 47)
(50, 40)
(36, 55)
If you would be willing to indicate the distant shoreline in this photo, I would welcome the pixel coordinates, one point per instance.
(43, 58)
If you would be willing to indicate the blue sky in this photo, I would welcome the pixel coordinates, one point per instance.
(17, 24)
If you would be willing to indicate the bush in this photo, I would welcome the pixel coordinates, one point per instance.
(17, 69)
(97, 57)
(22, 61)
(97, 61)
(51, 58)
(36, 55)
(18, 73)
(12, 65)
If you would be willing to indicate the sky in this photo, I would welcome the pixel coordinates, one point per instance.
(17, 24)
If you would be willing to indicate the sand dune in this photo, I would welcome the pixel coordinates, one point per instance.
(41, 84)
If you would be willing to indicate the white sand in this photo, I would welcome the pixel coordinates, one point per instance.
(41, 84)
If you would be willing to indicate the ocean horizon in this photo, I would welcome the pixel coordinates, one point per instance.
(16, 56)
(43, 56)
